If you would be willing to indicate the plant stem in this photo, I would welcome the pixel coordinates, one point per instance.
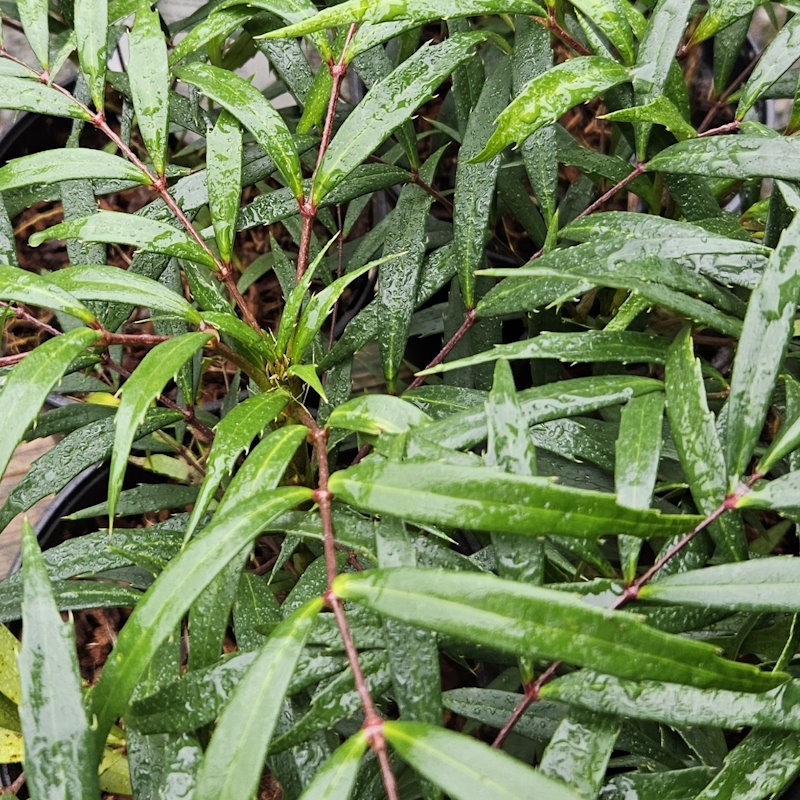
(468, 322)
(606, 196)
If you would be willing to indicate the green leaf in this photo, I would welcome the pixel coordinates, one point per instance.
(224, 177)
(57, 735)
(420, 11)
(76, 163)
(91, 33)
(765, 584)
(27, 94)
(547, 97)
(373, 119)
(466, 768)
(234, 759)
(767, 329)
(234, 435)
(737, 157)
(154, 371)
(661, 111)
(699, 449)
(175, 589)
(527, 620)
(28, 385)
(144, 498)
(777, 494)
(117, 227)
(376, 414)
(219, 23)
(28, 287)
(148, 72)
(33, 16)
(100, 282)
(335, 779)
(609, 17)
(245, 102)
(785, 442)
(720, 14)
(481, 498)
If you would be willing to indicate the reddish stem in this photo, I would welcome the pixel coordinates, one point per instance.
(468, 322)
(605, 197)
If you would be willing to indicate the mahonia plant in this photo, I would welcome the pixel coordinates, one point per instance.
(552, 554)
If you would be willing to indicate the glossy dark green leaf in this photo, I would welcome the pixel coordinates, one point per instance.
(100, 282)
(28, 94)
(91, 33)
(481, 498)
(623, 346)
(254, 345)
(148, 72)
(720, 14)
(376, 414)
(529, 620)
(233, 761)
(21, 286)
(697, 441)
(764, 584)
(117, 227)
(667, 784)
(168, 599)
(466, 768)
(144, 498)
(679, 706)
(224, 176)
(235, 433)
(58, 760)
(732, 157)
(245, 102)
(548, 96)
(26, 388)
(786, 440)
(610, 18)
(155, 370)
(33, 14)
(335, 780)
(65, 165)
(375, 117)
(767, 329)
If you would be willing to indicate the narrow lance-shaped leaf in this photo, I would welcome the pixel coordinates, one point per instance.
(764, 584)
(336, 778)
(767, 329)
(530, 620)
(75, 163)
(375, 414)
(374, 118)
(787, 439)
(720, 14)
(234, 759)
(155, 370)
(33, 16)
(27, 94)
(480, 498)
(58, 760)
(235, 432)
(149, 79)
(245, 102)
(776, 494)
(91, 32)
(609, 16)
(21, 286)
(660, 111)
(224, 176)
(26, 388)
(699, 449)
(117, 227)
(466, 768)
(548, 96)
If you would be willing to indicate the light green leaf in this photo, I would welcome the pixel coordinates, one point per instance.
(21, 286)
(91, 32)
(480, 498)
(720, 14)
(547, 97)
(58, 760)
(149, 80)
(100, 282)
(335, 779)
(610, 18)
(234, 759)
(27, 94)
(117, 227)
(234, 435)
(376, 414)
(699, 449)
(787, 439)
(221, 22)
(26, 388)
(661, 111)
(767, 329)
(33, 16)
(224, 177)
(245, 102)
(783, 492)
(69, 164)
(154, 371)
(466, 768)
(373, 119)
(174, 591)
(481, 608)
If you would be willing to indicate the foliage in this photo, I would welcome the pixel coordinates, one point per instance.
(555, 553)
